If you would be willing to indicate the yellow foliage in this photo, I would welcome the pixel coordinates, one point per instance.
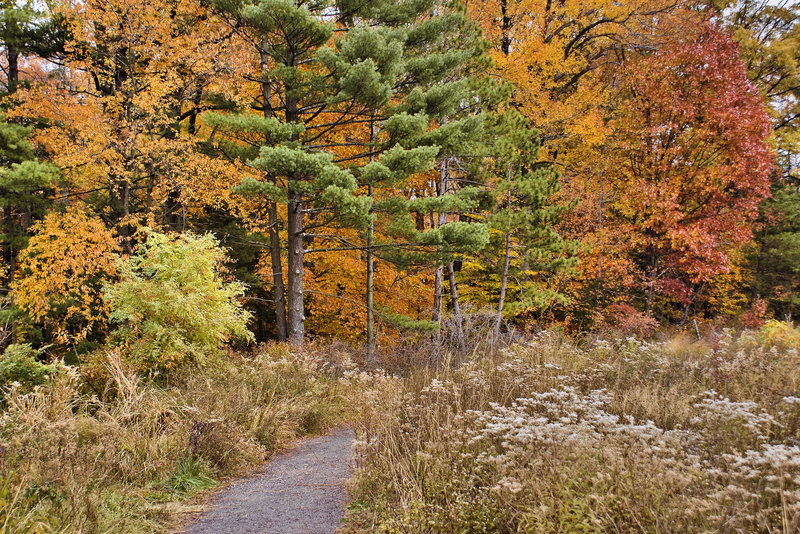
(113, 116)
(779, 334)
(557, 56)
(727, 291)
(61, 272)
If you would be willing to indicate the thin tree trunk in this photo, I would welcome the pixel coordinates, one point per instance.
(689, 304)
(278, 291)
(370, 285)
(371, 256)
(441, 189)
(172, 210)
(437, 304)
(503, 285)
(456, 311)
(505, 39)
(124, 199)
(504, 278)
(296, 318)
(196, 100)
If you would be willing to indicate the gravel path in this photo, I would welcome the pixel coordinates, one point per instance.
(301, 491)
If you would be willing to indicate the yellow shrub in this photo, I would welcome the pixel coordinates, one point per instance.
(779, 334)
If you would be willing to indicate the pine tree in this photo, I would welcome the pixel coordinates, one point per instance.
(352, 94)
(24, 30)
(525, 217)
(25, 188)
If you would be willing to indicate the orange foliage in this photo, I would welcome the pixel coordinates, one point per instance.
(560, 56)
(61, 273)
(690, 162)
(336, 286)
(122, 117)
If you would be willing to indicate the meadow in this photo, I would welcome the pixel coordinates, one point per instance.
(548, 433)
(589, 434)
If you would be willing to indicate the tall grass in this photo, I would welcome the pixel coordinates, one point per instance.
(116, 456)
(589, 435)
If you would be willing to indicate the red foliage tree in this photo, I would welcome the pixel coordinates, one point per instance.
(689, 161)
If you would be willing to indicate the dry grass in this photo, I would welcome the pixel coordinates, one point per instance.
(73, 459)
(566, 435)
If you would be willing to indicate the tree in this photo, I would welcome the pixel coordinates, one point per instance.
(563, 60)
(25, 184)
(690, 161)
(561, 57)
(334, 67)
(119, 117)
(769, 36)
(61, 273)
(24, 29)
(774, 261)
(526, 217)
(171, 303)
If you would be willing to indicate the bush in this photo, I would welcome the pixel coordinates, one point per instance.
(19, 367)
(779, 334)
(625, 320)
(172, 305)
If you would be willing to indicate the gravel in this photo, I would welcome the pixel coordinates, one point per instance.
(301, 491)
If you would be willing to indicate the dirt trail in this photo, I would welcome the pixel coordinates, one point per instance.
(300, 491)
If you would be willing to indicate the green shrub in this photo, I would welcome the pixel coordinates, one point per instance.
(18, 365)
(172, 305)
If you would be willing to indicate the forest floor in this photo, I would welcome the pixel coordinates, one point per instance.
(300, 491)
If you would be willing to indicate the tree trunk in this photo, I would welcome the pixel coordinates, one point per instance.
(688, 305)
(441, 189)
(371, 255)
(504, 279)
(172, 210)
(124, 205)
(370, 286)
(278, 291)
(196, 100)
(296, 318)
(456, 311)
(12, 54)
(437, 304)
(505, 39)
(503, 285)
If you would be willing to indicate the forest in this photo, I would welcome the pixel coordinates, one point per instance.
(471, 230)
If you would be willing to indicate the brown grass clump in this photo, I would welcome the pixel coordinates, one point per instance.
(73, 459)
(567, 435)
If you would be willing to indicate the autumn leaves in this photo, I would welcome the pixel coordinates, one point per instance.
(571, 156)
